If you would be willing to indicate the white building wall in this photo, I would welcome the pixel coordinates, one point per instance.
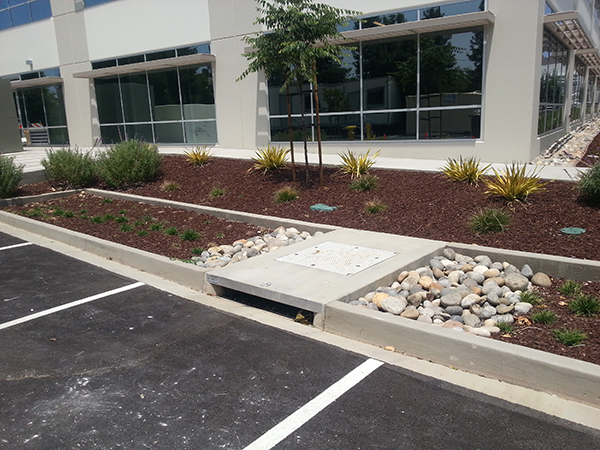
(35, 41)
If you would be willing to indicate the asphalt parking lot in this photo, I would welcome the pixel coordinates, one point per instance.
(92, 359)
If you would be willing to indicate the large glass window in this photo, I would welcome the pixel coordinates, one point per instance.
(174, 105)
(407, 88)
(552, 84)
(578, 88)
(20, 12)
(43, 108)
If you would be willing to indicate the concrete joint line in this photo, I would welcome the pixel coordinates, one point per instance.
(69, 305)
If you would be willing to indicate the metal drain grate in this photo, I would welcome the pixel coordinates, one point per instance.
(338, 258)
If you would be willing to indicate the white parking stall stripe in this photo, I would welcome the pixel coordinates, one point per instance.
(8, 247)
(46, 312)
(282, 430)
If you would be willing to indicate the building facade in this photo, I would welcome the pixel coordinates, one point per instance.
(500, 80)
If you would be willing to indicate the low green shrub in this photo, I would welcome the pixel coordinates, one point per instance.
(197, 251)
(128, 163)
(126, 228)
(489, 220)
(270, 158)
(364, 183)
(585, 305)
(190, 235)
(69, 168)
(286, 194)
(375, 206)
(10, 176)
(544, 316)
(532, 298)
(514, 184)
(570, 288)
(505, 327)
(464, 170)
(217, 192)
(570, 337)
(588, 184)
(199, 155)
(357, 165)
(171, 231)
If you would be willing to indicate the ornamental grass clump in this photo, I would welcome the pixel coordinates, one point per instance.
(199, 155)
(364, 183)
(286, 194)
(588, 184)
(10, 176)
(544, 316)
(69, 168)
(570, 337)
(270, 158)
(464, 170)
(570, 287)
(514, 184)
(585, 305)
(357, 165)
(489, 220)
(129, 163)
(375, 206)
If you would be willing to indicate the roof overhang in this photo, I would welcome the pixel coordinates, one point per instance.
(148, 65)
(567, 28)
(43, 81)
(421, 26)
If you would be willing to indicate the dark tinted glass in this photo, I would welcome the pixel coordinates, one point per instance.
(55, 105)
(40, 10)
(103, 64)
(452, 9)
(130, 60)
(134, 91)
(450, 124)
(197, 92)
(164, 94)
(34, 105)
(390, 19)
(108, 100)
(20, 15)
(160, 55)
(339, 85)
(391, 126)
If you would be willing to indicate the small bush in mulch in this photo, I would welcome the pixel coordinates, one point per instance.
(129, 163)
(69, 168)
(10, 176)
(588, 185)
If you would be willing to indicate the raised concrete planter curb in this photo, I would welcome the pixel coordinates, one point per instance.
(565, 377)
(254, 219)
(555, 266)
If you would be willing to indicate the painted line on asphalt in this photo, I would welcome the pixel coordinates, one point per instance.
(283, 429)
(47, 312)
(8, 247)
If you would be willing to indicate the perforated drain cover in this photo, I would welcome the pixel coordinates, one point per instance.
(338, 258)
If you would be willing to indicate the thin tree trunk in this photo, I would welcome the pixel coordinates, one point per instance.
(304, 133)
(289, 111)
(316, 91)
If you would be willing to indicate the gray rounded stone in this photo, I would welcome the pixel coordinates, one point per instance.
(526, 271)
(541, 279)
(516, 282)
(452, 299)
(394, 305)
(454, 310)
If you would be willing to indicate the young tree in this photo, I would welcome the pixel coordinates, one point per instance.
(303, 30)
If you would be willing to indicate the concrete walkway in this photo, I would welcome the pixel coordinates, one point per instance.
(31, 158)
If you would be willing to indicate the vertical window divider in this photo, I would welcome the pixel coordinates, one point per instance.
(150, 104)
(122, 107)
(361, 94)
(418, 102)
(44, 107)
(181, 105)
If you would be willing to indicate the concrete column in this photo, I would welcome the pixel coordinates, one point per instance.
(569, 91)
(585, 94)
(71, 39)
(10, 137)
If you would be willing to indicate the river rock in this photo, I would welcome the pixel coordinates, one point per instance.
(394, 305)
(516, 282)
(541, 279)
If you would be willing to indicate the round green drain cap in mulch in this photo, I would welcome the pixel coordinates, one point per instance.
(573, 230)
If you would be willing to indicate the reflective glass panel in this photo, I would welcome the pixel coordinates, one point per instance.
(130, 60)
(40, 9)
(143, 132)
(193, 50)
(20, 15)
(204, 132)
(171, 133)
(390, 126)
(112, 134)
(55, 105)
(108, 100)
(50, 73)
(160, 55)
(3, 4)
(390, 19)
(103, 64)
(280, 133)
(390, 74)
(339, 84)
(340, 127)
(451, 69)
(58, 136)
(95, 2)
(16, 2)
(450, 124)
(5, 20)
(164, 95)
(34, 105)
(30, 76)
(453, 9)
(197, 92)
(134, 91)
(278, 100)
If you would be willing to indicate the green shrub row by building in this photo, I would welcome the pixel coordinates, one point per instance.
(123, 164)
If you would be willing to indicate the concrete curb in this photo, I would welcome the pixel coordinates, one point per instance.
(568, 378)
(565, 377)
